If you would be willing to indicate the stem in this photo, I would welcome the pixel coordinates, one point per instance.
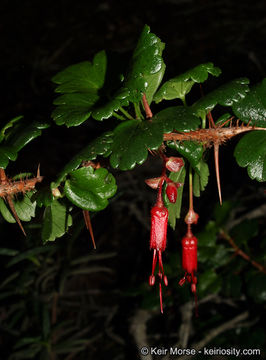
(159, 196)
(190, 188)
(241, 253)
(203, 124)
(210, 135)
(118, 116)
(146, 107)
(127, 115)
(184, 101)
(138, 112)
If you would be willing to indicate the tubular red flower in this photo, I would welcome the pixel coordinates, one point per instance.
(159, 220)
(189, 262)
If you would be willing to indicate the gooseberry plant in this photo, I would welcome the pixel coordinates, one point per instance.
(180, 135)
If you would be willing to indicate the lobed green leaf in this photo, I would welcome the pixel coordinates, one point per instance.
(90, 189)
(251, 152)
(131, 142)
(253, 107)
(100, 146)
(179, 118)
(225, 95)
(145, 75)
(25, 208)
(56, 221)
(179, 86)
(201, 177)
(80, 85)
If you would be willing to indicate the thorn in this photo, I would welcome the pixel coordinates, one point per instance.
(13, 210)
(38, 171)
(87, 220)
(211, 121)
(226, 121)
(216, 162)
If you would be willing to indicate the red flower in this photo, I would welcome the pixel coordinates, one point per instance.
(189, 261)
(159, 220)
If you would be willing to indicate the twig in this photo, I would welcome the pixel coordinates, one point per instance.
(210, 136)
(185, 328)
(241, 253)
(253, 214)
(186, 313)
(231, 324)
(138, 329)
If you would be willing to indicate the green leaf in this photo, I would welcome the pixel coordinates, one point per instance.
(147, 66)
(221, 256)
(70, 115)
(44, 197)
(244, 231)
(80, 85)
(180, 86)
(251, 152)
(28, 254)
(145, 75)
(7, 153)
(201, 177)
(177, 118)
(153, 82)
(99, 146)
(225, 95)
(22, 134)
(175, 208)
(209, 283)
(90, 189)
(222, 212)
(83, 76)
(232, 286)
(24, 207)
(8, 252)
(56, 221)
(204, 253)
(253, 107)
(222, 119)
(9, 125)
(208, 236)
(131, 142)
(190, 150)
(5, 212)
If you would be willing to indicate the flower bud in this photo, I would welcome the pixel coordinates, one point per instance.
(174, 164)
(171, 192)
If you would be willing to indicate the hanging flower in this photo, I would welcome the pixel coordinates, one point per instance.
(189, 260)
(159, 220)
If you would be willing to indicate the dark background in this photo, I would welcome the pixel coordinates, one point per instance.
(40, 38)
